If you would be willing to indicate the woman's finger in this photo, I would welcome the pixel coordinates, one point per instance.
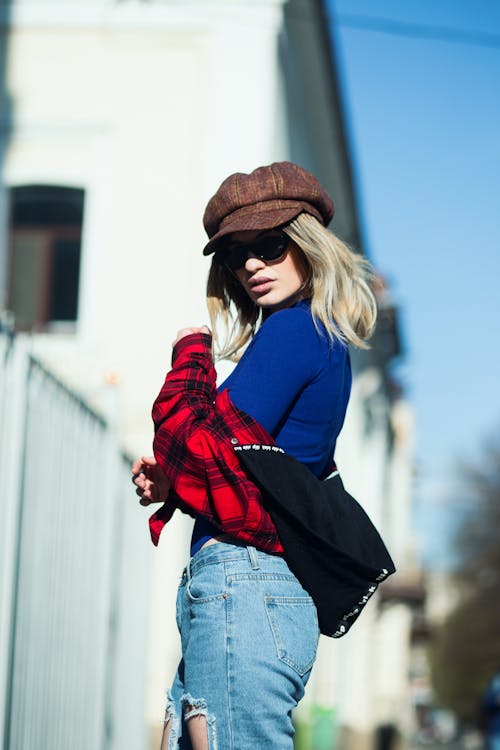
(137, 465)
(139, 480)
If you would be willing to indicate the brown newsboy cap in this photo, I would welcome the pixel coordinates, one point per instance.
(267, 198)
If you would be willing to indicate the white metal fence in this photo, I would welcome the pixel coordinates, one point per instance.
(74, 576)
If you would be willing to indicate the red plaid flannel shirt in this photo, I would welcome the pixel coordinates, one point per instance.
(196, 431)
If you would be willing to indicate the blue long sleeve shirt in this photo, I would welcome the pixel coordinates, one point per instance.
(296, 383)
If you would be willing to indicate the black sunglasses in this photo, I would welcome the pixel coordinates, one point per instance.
(267, 248)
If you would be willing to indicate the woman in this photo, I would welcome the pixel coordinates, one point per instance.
(295, 296)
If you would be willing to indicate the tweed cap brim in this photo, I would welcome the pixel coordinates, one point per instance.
(261, 216)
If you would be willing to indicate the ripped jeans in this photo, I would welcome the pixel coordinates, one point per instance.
(249, 635)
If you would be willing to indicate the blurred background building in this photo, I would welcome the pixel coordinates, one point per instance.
(118, 120)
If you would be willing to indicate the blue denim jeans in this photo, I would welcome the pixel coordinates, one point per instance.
(249, 635)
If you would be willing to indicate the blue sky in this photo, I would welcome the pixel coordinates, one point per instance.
(424, 122)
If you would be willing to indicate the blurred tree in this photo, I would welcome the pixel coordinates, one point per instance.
(465, 650)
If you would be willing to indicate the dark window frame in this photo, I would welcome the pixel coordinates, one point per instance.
(48, 233)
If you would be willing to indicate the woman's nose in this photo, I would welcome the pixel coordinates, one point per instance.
(253, 263)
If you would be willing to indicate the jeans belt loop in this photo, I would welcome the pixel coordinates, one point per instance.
(252, 554)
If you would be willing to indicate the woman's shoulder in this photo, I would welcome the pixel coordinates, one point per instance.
(291, 324)
(296, 315)
(297, 322)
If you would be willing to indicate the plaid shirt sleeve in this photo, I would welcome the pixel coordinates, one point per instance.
(196, 431)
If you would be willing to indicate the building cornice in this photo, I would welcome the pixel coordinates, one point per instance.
(137, 16)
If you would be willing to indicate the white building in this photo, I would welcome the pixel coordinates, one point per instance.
(118, 120)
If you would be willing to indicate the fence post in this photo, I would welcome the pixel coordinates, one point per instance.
(112, 492)
(13, 400)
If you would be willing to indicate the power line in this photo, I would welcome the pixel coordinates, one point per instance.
(401, 28)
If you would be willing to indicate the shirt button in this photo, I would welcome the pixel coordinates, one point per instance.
(234, 441)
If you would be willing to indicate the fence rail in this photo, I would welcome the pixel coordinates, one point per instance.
(74, 574)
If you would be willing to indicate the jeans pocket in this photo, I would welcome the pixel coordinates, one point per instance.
(294, 624)
(207, 585)
(178, 605)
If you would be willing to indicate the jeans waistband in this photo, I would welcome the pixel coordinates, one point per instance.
(224, 552)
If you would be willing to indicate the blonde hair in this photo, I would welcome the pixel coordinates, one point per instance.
(337, 281)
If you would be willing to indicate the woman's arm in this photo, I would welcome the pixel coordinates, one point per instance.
(152, 484)
(196, 432)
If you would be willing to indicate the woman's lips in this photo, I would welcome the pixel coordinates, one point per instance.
(260, 286)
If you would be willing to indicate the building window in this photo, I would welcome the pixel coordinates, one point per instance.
(44, 256)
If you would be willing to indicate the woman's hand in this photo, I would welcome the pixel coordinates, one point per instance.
(188, 331)
(152, 484)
